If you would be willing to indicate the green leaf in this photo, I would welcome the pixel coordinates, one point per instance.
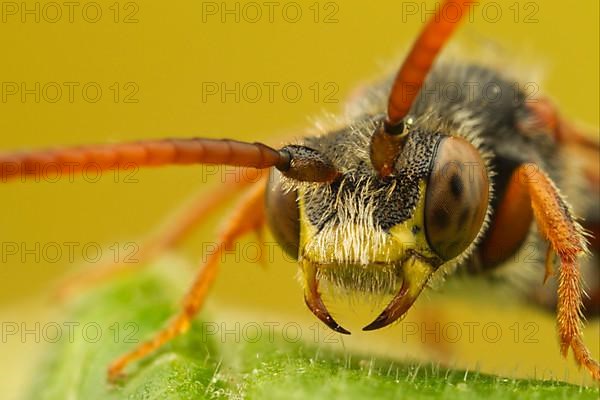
(196, 366)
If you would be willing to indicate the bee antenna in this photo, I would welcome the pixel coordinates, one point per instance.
(307, 165)
(417, 64)
(296, 162)
(388, 139)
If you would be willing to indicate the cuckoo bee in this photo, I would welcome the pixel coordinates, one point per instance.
(414, 187)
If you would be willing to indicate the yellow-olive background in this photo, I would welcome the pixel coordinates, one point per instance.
(168, 54)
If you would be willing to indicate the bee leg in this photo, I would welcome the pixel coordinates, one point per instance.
(549, 264)
(541, 117)
(247, 216)
(558, 226)
(171, 234)
(581, 145)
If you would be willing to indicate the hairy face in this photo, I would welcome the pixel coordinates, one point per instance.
(383, 234)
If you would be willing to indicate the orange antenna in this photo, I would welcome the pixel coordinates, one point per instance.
(388, 139)
(413, 71)
(297, 162)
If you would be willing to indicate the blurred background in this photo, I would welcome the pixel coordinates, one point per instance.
(98, 72)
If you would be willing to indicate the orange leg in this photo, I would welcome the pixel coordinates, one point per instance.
(557, 225)
(248, 216)
(581, 144)
(173, 233)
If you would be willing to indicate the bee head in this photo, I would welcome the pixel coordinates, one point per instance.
(372, 232)
(394, 196)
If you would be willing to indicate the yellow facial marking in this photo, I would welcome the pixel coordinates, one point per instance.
(358, 241)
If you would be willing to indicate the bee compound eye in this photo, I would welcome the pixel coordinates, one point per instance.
(457, 197)
(282, 213)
